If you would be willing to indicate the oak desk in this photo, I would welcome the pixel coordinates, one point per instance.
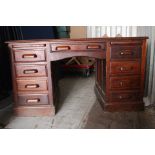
(120, 72)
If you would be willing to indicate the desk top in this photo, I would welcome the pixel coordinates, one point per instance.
(77, 40)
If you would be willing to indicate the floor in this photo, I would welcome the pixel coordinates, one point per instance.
(76, 99)
(97, 119)
(79, 109)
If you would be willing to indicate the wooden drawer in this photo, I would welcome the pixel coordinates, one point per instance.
(32, 85)
(129, 67)
(125, 82)
(29, 55)
(125, 52)
(30, 70)
(124, 96)
(29, 99)
(29, 45)
(81, 46)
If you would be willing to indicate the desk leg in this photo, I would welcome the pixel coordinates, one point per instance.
(100, 81)
(51, 86)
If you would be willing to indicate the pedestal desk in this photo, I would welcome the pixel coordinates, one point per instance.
(120, 72)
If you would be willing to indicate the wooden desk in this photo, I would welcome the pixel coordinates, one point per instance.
(120, 72)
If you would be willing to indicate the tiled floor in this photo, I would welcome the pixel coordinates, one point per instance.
(78, 108)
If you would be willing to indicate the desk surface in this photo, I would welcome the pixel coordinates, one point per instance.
(79, 39)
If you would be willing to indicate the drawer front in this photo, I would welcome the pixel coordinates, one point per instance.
(129, 67)
(32, 85)
(29, 55)
(29, 45)
(124, 96)
(86, 46)
(125, 52)
(29, 99)
(124, 82)
(30, 70)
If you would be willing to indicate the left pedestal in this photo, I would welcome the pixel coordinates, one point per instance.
(31, 79)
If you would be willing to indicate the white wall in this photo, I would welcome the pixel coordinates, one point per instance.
(150, 68)
(111, 31)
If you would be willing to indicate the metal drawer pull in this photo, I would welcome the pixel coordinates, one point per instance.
(93, 47)
(120, 97)
(125, 69)
(126, 52)
(125, 97)
(122, 68)
(32, 86)
(33, 100)
(121, 83)
(30, 71)
(59, 48)
(29, 56)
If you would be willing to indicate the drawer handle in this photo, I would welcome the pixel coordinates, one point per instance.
(121, 83)
(29, 56)
(124, 97)
(125, 69)
(30, 71)
(126, 52)
(120, 97)
(32, 86)
(93, 47)
(33, 100)
(122, 68)
(59, 48)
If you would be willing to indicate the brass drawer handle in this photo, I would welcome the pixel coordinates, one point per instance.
(32, 86)
(126, 69)
(126, 52)
(29, 56)
(122, 69)
(59, 48)
(121, 83)
(93, 47)
(124, 97)
(33, 100)
(120, 97)
(30, 71)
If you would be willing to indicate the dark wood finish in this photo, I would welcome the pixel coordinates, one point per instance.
(29, 55)
(31, 85)
(73, 47)
(125, 82)
(124, 96)
(32, 99)
(120, 72)
(125, 52)
(127, 67)
(62, 55)
(31, 70)
(38, 110)
(118, 79)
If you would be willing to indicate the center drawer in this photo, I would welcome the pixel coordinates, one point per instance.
(30, 70)
(86, 46)
(32, 85)
(125, 82)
